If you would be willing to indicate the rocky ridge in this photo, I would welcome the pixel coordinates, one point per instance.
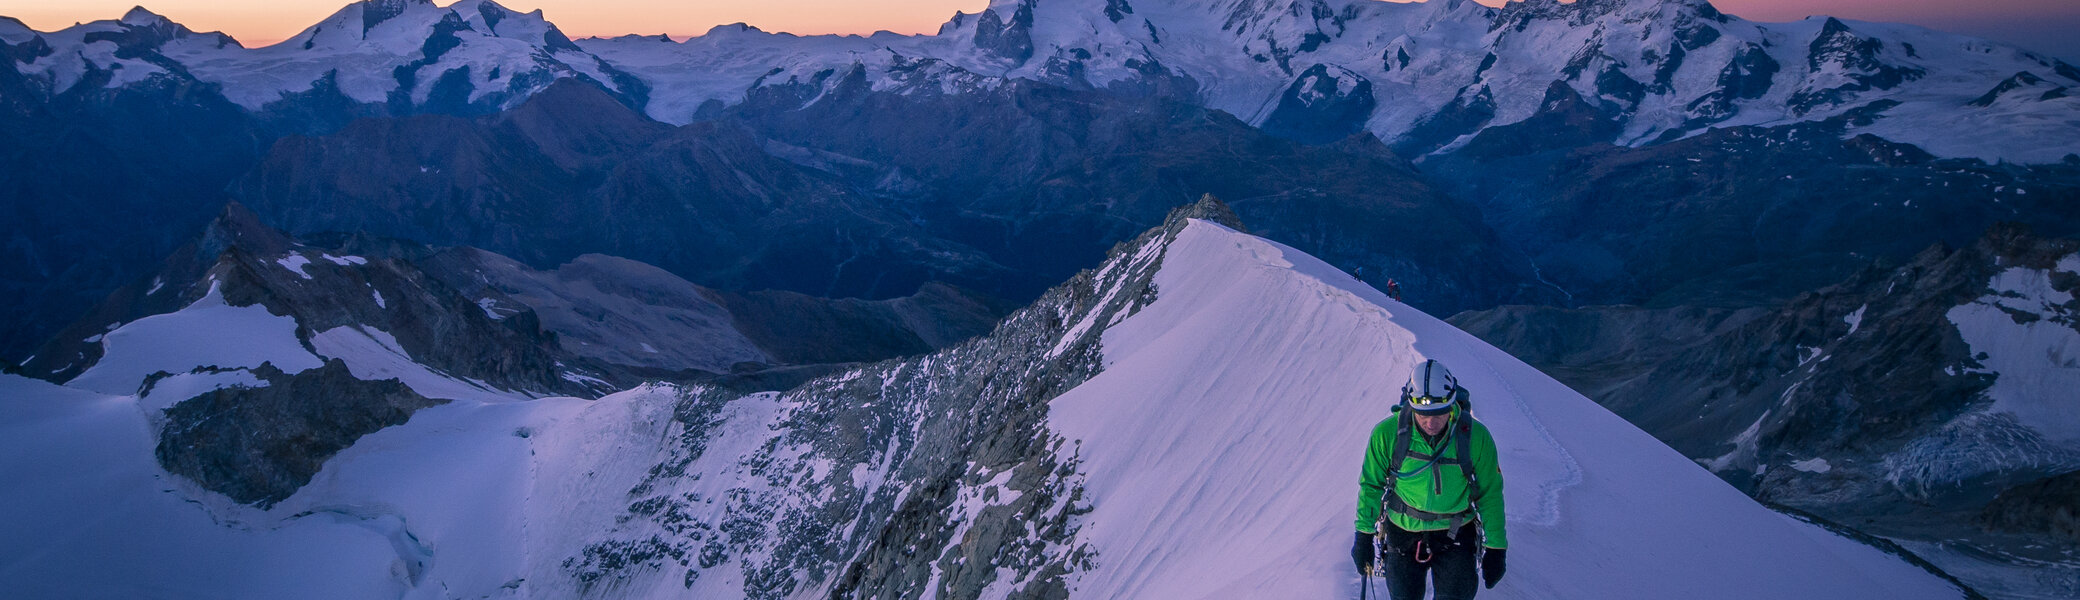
(945, 457)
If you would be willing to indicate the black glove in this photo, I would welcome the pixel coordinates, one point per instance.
(1491, 566)
(1362, 552)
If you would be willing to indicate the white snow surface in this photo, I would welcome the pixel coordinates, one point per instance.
(1855, 319)
(295, 263)
(1223, 442)
(90, 515)
(462, 500)
(208, 333)
(363, 62)
(2037, 363)
(1220, 447)
(373, 354)
(1812, 465)
(185, 386)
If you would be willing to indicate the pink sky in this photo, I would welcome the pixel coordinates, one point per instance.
(2044, 25)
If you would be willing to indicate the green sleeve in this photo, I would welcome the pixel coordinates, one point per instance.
(1489, 474)
(1373, 478)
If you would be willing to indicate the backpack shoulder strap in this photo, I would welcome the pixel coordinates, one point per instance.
(1397, 453)
(1464, 448)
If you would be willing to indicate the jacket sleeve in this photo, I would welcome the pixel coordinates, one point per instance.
(1489, 472)
(1373, 478)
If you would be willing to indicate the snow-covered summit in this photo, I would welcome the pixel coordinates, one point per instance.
(473, 55)
(1185, 420)
(1439, 72)
(108, 53)
(411, 53)
(1434, 73)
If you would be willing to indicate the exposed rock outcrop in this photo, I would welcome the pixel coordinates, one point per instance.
(260, 444)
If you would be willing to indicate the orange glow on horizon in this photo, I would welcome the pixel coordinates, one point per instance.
(262, 22)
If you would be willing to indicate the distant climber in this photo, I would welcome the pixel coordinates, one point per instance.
(1429, 505)
(1394, 289)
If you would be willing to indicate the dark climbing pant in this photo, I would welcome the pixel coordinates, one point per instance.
(1450, 565)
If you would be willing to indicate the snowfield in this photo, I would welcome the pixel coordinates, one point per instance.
(1220, 449)
(208, 333)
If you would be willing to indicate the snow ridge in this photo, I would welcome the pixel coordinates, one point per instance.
(1235, 407)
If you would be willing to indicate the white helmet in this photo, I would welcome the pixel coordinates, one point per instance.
(1431, 389)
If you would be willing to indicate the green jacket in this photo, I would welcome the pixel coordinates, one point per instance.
(1417, 489)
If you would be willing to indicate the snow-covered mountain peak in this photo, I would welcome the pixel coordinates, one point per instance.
(137, 30)
(14, 31)
(1439, 73)
(404, 24)
(390, 24)
(1442, 9)
(473, 56)
(141, 17)
(740, 27)
(491, 18)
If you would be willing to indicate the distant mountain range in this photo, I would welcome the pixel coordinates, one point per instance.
(1788, 249)
(1064, 121)
(1422, 76)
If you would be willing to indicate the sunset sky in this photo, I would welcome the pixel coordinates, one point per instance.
(2044, 25)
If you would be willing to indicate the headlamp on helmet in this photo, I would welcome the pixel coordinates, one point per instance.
(1431, 389)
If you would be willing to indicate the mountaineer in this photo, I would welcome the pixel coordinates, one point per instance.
(1430, 494)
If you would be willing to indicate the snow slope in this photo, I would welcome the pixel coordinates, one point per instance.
(1223, 442)
(2038, 360)
(443, 506)
(88, 514)
(207, 333)
(2023, 332)
(1218, 454)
